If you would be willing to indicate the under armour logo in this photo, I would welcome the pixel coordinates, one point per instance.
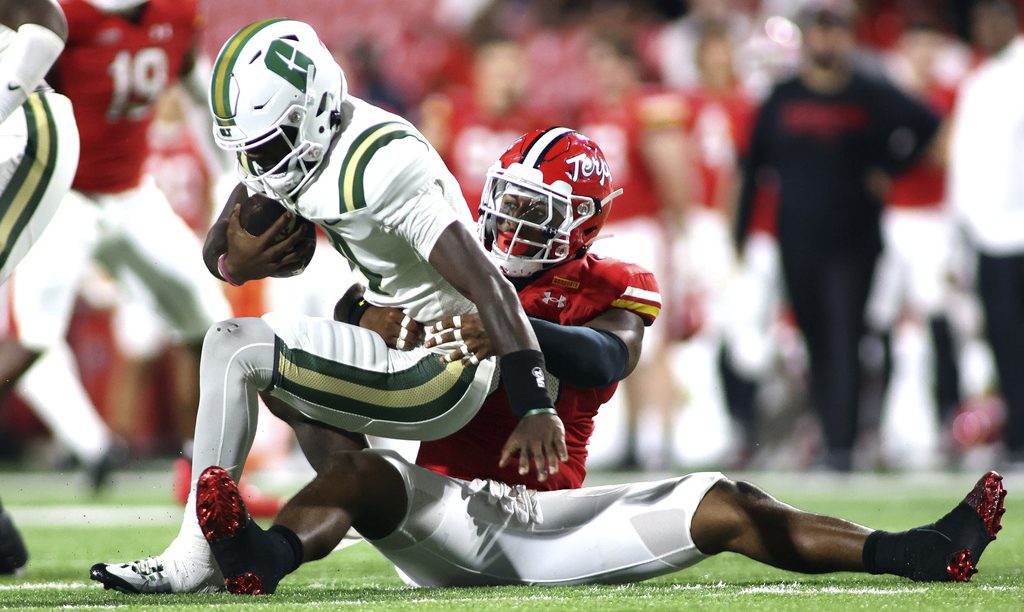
(539, 375)
(559, 301)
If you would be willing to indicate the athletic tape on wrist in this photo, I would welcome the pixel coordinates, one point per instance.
(537, 411)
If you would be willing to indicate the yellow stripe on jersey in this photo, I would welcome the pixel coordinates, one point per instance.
(32, 175)
(645, 309)
(355, 164)
(381, 397)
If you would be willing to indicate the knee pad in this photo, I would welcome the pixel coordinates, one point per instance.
(247, 342)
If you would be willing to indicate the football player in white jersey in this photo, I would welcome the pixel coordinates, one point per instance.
(38, 135)
(38, 155)
(389, 205)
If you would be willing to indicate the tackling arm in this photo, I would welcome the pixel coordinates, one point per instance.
(458, 257)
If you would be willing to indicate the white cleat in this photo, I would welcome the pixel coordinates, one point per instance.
(158, 574)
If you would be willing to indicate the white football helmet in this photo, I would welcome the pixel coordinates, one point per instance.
(276, 96)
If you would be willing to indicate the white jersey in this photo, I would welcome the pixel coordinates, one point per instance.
(383, 200)
(6, 36)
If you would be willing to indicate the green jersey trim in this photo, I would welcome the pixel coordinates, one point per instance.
(353, 169)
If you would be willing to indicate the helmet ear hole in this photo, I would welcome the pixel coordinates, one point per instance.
(323, 105)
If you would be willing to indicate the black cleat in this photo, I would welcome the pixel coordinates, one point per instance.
(13, 554)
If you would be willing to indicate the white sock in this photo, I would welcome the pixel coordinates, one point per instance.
(54, 391)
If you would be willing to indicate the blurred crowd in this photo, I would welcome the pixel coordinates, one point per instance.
(827, 302)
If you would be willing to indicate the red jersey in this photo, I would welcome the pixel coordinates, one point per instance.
(474, 140)
(923, 185)
(620, 130)
(114, 71)
(573, 293)
(721, 132)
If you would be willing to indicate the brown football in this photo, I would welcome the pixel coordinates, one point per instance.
(259, 212)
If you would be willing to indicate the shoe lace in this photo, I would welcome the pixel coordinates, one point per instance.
(149, 565)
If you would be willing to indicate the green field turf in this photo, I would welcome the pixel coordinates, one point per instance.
(67, 532)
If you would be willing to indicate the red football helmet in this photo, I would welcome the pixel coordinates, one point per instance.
(544, 201)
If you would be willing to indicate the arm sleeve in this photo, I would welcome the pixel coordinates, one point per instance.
(581, 356)
(751, 167)
(405, 194)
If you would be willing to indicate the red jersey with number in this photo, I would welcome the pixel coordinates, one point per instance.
(923, 185)
(474, 140)
(114, 71)
(620, 130)
(721, 130)
(574, 293)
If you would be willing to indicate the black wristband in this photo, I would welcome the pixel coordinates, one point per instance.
(522, 373)
(355, 314)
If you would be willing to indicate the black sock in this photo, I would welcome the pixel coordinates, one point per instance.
(293, 559)
(919, 554)
(965, 528)
(270, 555)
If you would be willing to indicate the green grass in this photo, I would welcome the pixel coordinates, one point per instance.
(359, 578)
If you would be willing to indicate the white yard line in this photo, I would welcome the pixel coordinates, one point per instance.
(29, 586)
(94, 516)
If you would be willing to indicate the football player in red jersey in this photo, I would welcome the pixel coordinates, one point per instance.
(471, 126)
(458, 519)
(643, 132)
(120, 57)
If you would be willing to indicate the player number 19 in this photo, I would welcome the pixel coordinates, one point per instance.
(139, 79)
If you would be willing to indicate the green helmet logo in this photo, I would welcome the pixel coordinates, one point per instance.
(288, 63)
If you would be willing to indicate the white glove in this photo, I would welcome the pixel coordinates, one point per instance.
(517, 502)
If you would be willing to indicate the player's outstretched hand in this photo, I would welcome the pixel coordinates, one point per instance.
(398, 330)
(540, 441)
(468, 330)
(252, 257)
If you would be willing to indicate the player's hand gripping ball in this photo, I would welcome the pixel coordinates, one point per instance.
(258, 214)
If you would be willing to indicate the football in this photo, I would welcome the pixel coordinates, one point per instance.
(259, 212)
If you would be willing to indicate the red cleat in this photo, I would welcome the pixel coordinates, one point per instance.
(219, 506)
(988, 499)
(246, 584)
(961, 566)
(259, 504)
